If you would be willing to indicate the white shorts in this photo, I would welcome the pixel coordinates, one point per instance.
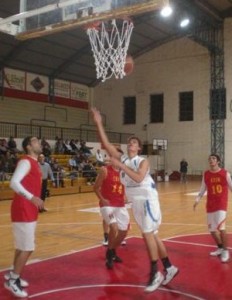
(24, 235)
(216, 220)
(146, 208)
(117, 215)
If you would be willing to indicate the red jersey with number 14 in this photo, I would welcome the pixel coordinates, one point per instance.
(112, 189)
(217, 190)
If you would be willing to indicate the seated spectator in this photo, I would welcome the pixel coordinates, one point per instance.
(12, 146)
(3, 146)
(59, 146)
(10, 163)
(77, 144)
(72, 163)
(67, 148)
(89, 171)
(58, 173)
(79, 159)
(2, 168)
(74, 146)
(99, 158)
(46, 148)
(85, 150)
(73, 168)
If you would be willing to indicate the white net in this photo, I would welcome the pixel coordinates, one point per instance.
(109, 43)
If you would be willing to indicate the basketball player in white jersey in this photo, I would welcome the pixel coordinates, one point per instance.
(141, 192)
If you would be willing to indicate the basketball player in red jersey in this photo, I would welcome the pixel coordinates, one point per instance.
(26, 183)
(216, 182)
(110, 192)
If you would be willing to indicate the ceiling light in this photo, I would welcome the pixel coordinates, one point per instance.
(166, 11)
(185, 22)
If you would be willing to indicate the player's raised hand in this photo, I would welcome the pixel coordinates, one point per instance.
(96, 115)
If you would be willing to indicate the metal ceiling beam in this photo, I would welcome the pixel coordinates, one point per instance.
(16, 50)
(156, 44)
(195, 8)
(227, 13)
(69, 61)
(210, 9)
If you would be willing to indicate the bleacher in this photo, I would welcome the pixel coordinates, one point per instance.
(71, 185)
(86, 132)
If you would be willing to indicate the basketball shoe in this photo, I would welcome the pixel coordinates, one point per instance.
(116, 258)
(23, 282)
(154, 282)
(105, 242)
(13, 285)
(171, 272)
(216, 252)
(225, 256)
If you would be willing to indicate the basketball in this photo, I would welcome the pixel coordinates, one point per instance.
(129, 65)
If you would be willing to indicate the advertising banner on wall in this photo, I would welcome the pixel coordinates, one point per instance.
(14, 79)
(32, 85)
(79, 92)
(62, 88)
(36, 83)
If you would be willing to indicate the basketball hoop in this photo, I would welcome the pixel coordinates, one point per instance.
(109, 42)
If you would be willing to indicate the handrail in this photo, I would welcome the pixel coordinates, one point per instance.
(21, 130)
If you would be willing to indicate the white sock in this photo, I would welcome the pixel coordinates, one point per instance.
(13, 275)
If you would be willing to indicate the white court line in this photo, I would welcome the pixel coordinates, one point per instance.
(177, 192)
(192, 194)
(113, 285)
(191, 243)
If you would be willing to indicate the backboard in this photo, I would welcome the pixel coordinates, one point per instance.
(38, 18)
(160, 144)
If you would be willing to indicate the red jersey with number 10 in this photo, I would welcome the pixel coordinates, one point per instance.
(217, 190)
(112, 189)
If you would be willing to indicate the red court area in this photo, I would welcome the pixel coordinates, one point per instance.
(83, 275)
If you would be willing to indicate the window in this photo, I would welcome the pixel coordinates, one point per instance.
(186, 106)
(129, 116)
(157, 108)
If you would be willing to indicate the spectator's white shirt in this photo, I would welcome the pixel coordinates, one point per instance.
(72, 162)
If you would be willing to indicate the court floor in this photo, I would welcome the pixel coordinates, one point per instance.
(73, 226)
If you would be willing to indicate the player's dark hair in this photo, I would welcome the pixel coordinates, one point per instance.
(139, 142)
(217, 157)
(26, 142)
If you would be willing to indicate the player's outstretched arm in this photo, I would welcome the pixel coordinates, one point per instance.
(96, 115)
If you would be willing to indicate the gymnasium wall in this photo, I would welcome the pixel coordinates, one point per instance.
(178, 66)
(23, 111)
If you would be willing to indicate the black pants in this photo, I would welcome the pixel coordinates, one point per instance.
(44, 189)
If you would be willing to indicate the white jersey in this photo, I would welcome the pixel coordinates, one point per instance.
(133, 164)
(143, 196)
